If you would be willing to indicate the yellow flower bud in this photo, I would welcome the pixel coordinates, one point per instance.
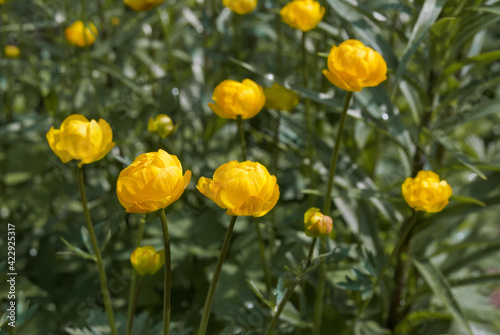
(161, 125)
(280, 98)
(302, 14)
(77, 35)
(317, 224)
(233, 98)
(147, 260)
(426, 192)
(240, 6)
(143, 5)
(242, 188)
(352, 66)
(11, 51)
(81, 140)
(115, 21)
(153, 181)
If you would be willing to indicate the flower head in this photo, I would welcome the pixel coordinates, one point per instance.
(243, 189)
(233, 98)
(280, 98)
(12, 51)
(352, 66)
(241, 7)
(81, 140)
(426, 192)
(317, 224)
(161, 125)
(147, 260)
(81, 36)
(153, 181)
(302, 14)
(143, 5)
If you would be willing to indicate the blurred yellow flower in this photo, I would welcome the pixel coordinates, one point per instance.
(143, 5)
(240, 6)
(280, 98)
(115, 21)
(242, 188)
(426, 192)
(161, 125)
(11, 51)
(352, 66)
(233, 98)
(153, 181)
(81, 140)
(317, 224)
(147, 260)
(2, 2)
(77, 35)
(302, 14)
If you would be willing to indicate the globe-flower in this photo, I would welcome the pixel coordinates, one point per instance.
(147, 260)
(317, 224)
(243, 189)
(12, 51)
(241, 7)
(352, 66)
(143, 5)
(153, 181)
(233, 98)
(80, 35)
(426, 192)
(81, 140)
(280, 98)
(161, 125)
(302, 14)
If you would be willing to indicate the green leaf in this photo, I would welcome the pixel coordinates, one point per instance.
(78, 252)
(482, 59)
(468, 200)
(259, 295)
(437, 282)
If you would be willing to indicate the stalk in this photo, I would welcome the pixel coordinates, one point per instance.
(168, 270)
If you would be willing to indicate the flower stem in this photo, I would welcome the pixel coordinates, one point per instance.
(131, 299)
(133, 304)
(213, 284)
(309, 122)
(267, 274)
(167, 282)
(100, 264)
(242, 137)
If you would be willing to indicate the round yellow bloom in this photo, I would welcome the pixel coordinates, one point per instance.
(280, 98)
(161, 125)
(2, 2)
(317, 224)
(143, 5)
(153, 181)
(242, 188)
(426, 192)
(11, 51)
(233, 98)
(302, 14)
(147, 260)
(77, 35)
(240, 6)
(115, 21)
(352, 66)
(81, 140)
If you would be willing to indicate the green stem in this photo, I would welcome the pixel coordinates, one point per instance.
(100, 264)
(309, 122)
(267, 274)
(274, 166)
(242, 137)
(213, 284)
(168, 270)
(133, 284)
(133, 304)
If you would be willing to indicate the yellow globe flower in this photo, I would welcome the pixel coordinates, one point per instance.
(280, 98)
(2, 2)
(426, 192)
(153, 181)
(317, 224)
(161, 125)
(352, 66)
(240, 6)
(233, 98)
(81, 140)
(11, 51)
(147, 260)
(81, 36)
(242, 188)
(143, 5)
(302, 14)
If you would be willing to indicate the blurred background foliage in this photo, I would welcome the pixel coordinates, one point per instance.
(439, 110)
